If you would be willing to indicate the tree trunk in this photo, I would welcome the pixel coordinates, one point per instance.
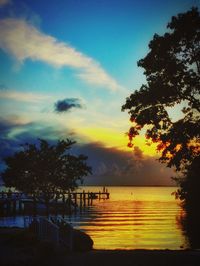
(63, 203)
(69, 202)
(47, 204)
(56, 205)
(34, 205)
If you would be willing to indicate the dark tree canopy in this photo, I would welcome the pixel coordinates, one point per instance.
(45, 169)
(172, 69)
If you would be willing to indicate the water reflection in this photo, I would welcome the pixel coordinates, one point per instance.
(134, 218)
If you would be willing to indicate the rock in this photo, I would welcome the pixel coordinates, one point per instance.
(81, 241)
(78, 240)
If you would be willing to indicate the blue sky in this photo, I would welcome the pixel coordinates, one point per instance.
(81, 55)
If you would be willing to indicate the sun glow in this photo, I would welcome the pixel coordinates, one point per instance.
(115, 139)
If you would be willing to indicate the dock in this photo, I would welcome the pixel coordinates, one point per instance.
(20, 203)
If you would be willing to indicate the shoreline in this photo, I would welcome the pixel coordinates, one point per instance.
(25, 250)
(103, 258)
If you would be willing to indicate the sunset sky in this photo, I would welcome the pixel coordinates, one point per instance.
(67, 67)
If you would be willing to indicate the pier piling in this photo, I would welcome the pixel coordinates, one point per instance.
(17, 202)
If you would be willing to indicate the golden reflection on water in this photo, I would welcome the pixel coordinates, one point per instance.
(134, 218)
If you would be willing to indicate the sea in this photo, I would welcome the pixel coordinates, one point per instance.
(132, 218)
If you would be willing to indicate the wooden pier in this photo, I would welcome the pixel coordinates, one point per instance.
(86, 198)
(17, 202)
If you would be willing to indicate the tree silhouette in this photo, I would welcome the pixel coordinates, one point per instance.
(45, 170)
(172, 69)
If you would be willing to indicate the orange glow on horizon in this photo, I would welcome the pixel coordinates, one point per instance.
(118, 140)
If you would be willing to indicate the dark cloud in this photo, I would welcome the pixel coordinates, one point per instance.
(110, 166)
(13, 134)
(115, 167)
(9, 145)
(7, 125)
(138, 153)
(66, 104)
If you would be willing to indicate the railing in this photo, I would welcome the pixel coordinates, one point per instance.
(28, 220)
(47, 229)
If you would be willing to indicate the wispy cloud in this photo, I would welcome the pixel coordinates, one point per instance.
(23, 96)
(8, 124)
(67, 104)
(24, 41)
(4, 2)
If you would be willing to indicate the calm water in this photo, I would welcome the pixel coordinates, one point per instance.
(133, 218)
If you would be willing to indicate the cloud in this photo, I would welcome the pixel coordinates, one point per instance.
(6, 125)
(24, 41)
(9, 144)
(110, 165)
(4, 2)
(67, 104)
(138, 153)
(115, 167)
(23, 96)
(15, 131)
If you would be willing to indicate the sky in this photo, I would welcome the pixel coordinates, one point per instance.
(66, 69)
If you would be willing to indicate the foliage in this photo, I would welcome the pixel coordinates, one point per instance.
(190, 184)
(190, 194)
(172, 69)
(45, 169)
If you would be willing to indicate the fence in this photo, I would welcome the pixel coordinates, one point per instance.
(48, 230)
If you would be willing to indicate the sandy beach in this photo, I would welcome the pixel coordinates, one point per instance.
(29, 252)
